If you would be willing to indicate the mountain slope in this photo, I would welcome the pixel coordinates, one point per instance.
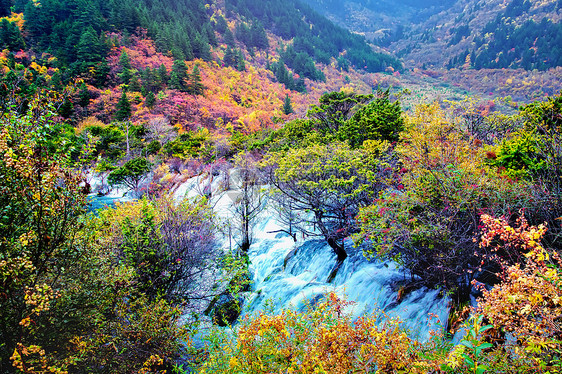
(492, 33)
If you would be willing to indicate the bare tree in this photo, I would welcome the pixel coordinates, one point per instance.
(248, 201)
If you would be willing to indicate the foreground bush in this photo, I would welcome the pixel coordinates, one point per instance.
(323, 339)
(67, 302)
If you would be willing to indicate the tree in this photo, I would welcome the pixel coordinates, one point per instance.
(130, 174)
(123, 108)
(178, 77)
(90, 50)
(331, 182)
(249, 201)
(150, 100)
(429, 223)
(195, 87)
(125, 65)
(287, 107)
(378, 120)
(10, 36)
(5, 7)
(134, 85)
(230, 57)
(83, 96)
(334, 110)
(163, 74)
(240, 61)
(40, 204)
(168, 245)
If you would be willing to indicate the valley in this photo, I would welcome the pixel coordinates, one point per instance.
(243, 186)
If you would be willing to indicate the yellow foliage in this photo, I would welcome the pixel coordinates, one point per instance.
(17, 18)
(324, 339)
(88, 122)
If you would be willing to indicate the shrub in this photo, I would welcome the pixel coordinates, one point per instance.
(322, 339)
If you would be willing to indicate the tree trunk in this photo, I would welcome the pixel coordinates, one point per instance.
(338, 249)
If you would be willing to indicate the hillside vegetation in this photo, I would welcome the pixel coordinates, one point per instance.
(143, 96)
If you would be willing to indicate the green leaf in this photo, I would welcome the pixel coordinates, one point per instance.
(484, 328)
(485, 345)
(467, 344)
(468, 360)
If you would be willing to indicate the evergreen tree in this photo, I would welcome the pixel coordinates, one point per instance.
(10, 36)
(83, 96)
(220, 25)
(125, 65)
(241, 63)
(229, 38)
(201, 47)
(56, 82)
(123, 108)
(195, 85)
(90, 49)
(148, 80)
(178, 77)
(150, 100)
(230, 57)
(163, 75)
(134, 85)
(5, 8)
(66, 109)
(287, 107)
(100, 73)
(258, 36)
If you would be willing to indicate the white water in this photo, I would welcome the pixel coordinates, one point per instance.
(372, 286)
(102, 194)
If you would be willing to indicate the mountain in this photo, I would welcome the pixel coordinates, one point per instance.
(470, 33)
(75, 32)
(379, 18)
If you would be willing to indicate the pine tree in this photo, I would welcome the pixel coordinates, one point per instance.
(89, 48)
(100, 75)
(230, 57)
(66, 109)
(287, 107)
(195, 85)
(258, 36)
(10, 36)
(134, 85)
(241, 63)
(163, 75)
(83, 96)
(125, 65)
(229, 38)
(5, 8)
(178, 76)
(150, 100)
(123, 108)
(148, 81)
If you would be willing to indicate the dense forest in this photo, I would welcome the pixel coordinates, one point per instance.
(507, 44)
(174, 107)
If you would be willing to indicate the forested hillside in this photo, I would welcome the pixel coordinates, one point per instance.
(464, 33)
(167, 168)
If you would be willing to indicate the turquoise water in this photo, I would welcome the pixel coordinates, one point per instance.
(96, 202)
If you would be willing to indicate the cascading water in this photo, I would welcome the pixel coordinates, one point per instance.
(102, 195)
(286, 274)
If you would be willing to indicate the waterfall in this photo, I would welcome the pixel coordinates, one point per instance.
(372, 286)
(286, 274)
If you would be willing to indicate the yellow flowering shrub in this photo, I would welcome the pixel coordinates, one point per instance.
(323, 339)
